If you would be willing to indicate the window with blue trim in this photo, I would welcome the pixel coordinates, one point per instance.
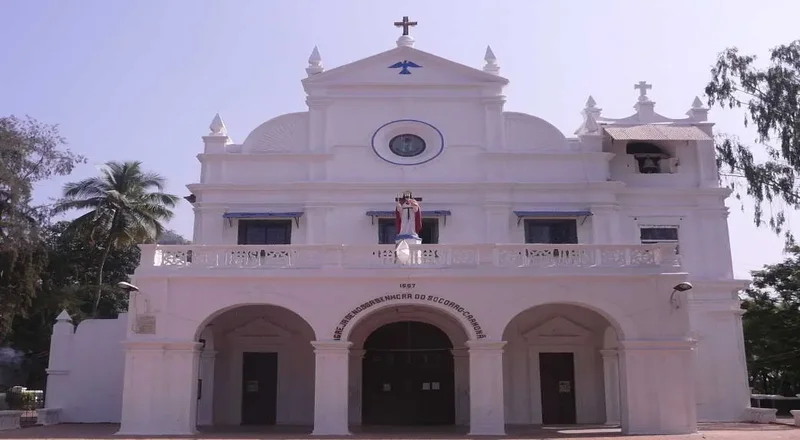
(265, 232)
(551, 231)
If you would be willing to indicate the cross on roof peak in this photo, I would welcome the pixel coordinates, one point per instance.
(405, 24)
(643, 87)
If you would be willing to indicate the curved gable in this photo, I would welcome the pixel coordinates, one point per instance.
(526, 133)
(285, 133)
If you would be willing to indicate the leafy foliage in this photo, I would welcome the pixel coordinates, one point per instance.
(772, 327)
(770, 97)
(29, 152)
(126, 207)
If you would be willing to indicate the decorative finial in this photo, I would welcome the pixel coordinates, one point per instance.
(63, 317)
(591, 125)
(643, 87)
(218, 127)
(591, 104)
(491, 62)
(405, 40)
(698, 112)
(314, 63)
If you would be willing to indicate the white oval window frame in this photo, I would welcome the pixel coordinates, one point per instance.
(433, 137)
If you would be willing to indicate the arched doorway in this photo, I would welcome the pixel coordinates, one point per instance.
(561, 367)
(256, 368)
(408, 376)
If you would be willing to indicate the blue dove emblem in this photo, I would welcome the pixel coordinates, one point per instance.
(403, 66)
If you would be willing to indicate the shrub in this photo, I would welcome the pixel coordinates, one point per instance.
(20, 400)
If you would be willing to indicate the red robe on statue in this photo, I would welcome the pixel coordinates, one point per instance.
(417, 218)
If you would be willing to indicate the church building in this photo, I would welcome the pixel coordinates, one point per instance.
(407, 251)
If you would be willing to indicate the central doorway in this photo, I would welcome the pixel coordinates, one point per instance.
(408, 376)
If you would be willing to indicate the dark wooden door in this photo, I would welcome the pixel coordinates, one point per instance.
(408, 376)
(557, 379)
(259, 388)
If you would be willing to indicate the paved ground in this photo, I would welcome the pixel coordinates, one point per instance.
(726, 431)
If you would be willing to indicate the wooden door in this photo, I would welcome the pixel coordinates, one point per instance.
(557, 379)
(259, 388)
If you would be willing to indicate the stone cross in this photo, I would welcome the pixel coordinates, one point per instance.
(405, 24)
(643, 87)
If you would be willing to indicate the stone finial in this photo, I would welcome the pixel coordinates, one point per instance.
(491, 62)
(63, 317)
(218, 127)
(314, 63)
(405, 41)
(590, 114)
(589, 126)
(698, 112)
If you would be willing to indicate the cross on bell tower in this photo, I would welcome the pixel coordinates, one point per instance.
(405, 24)
(643, 87)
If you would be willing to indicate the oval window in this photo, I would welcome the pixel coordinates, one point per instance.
(407, 145)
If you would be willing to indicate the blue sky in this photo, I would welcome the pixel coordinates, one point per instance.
(142, 79)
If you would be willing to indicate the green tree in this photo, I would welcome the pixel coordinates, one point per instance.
(67, 283)
(127, 206)
(29, 153)
(769, 95)
(772, 326)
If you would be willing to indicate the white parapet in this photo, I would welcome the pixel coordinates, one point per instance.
(761, 415)
(48, 416)
(605, 257)
(10, 420)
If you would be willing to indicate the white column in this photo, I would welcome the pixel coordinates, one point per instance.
(330, 392)
(611, 381)
(205, 405)
(356, 386)
(605, 224)
(159, 395)
(60, 363)
(461, 370)
(487, 407)
(657, 387)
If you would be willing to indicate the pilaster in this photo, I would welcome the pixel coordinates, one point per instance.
(605, 225)
(159, 394)
(611, 385)
(356, 387)
(331, 387)
(461, 370)
(495, 123)
(497, 222)
(205, 404)
(316, 217)
(487, 406)
(674, 409)
(317, 123)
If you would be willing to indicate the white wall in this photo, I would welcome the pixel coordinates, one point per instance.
(94, 371)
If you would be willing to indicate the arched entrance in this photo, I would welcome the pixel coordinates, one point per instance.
(408, 376)
(561, 367)
(256, 368)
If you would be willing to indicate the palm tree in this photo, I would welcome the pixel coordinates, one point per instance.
(127, 206)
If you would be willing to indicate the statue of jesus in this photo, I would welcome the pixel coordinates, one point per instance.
(408, 216)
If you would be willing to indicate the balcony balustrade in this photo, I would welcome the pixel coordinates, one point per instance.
(658, 257)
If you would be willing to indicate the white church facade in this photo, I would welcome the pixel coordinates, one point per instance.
(526, 278)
